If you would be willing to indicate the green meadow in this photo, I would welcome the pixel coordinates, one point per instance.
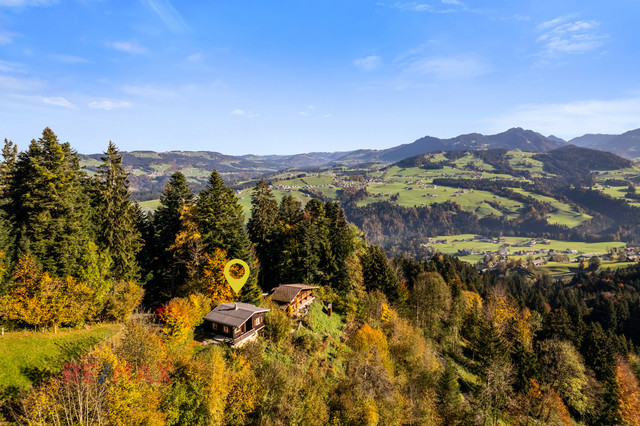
(28, 356)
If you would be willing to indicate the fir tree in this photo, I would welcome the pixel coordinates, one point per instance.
(221, 223)
(378, 274)
(48, 204)
(262, 231)
(116, 216)
(288, 244)
(168, 273)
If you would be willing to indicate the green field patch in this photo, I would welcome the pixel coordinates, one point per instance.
(514, 244)
(519, 160)
(150, 205)
(29, 355)
(564, 215)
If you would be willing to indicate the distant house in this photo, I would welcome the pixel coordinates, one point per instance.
(466, 252)
(538, 262)
(572, 251)
(236, 323)
(293, 297)
(503, 252)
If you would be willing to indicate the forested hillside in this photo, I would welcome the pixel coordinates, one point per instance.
(404, 341)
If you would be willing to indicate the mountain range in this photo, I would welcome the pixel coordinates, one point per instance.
(150, 170)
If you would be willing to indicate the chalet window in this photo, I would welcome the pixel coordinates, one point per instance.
(214, 326)
(225, 329)
(258, 321)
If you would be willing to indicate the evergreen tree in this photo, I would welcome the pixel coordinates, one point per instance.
(288, 244)
(262, 230)
(341, 244)
(448, 392)
(116, 216)
(315, 244)
(49, 206)
(221, 223)
(168, 274)
(378, 274)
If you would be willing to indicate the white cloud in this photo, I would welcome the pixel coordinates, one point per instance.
(109, 105)
(6, 37)
(168, 14)
(19, 84)
(243, 113)
(368, 63)
(24, 3)
(9, 67)
(195, 57)
(412, 6)
(561, 35)
(58, 101)
(417, 70)
(127, 46)
(70, 59)
(573, 119)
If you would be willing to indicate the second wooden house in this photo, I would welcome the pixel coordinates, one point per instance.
(294, 298)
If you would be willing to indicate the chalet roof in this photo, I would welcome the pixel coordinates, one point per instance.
(285, 293)
(233, 314)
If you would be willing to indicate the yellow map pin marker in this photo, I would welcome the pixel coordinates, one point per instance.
(236, 283)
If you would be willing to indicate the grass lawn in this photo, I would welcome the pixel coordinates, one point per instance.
(28, 355)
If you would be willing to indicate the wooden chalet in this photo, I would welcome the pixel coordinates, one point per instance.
(235, 323)
(293, 297)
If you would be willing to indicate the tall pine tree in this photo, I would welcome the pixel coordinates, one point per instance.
(221, 223)
(168, 274)
(262, 231)
(49, 206)
(117, 216)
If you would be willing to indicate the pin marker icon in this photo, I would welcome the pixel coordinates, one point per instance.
(236, 283)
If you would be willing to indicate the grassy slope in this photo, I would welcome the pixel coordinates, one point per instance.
(28, 355)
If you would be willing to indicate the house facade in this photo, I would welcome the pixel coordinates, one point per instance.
(236, 323)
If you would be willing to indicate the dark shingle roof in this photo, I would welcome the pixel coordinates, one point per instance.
(233, 314)
(287, 292)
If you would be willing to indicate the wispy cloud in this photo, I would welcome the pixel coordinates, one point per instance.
(131, 46)
(563, 35)
(20, 84)
(10, 67)
(195, 57)
(243, 113)
(109, 105)
(25, 3)
(70, 59)
(368, 63)
(416, 69)
(168, 14)
(58, 101)
(572, 119)
(7, 37)
(446, 6)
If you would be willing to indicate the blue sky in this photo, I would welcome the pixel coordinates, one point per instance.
(281, 77)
